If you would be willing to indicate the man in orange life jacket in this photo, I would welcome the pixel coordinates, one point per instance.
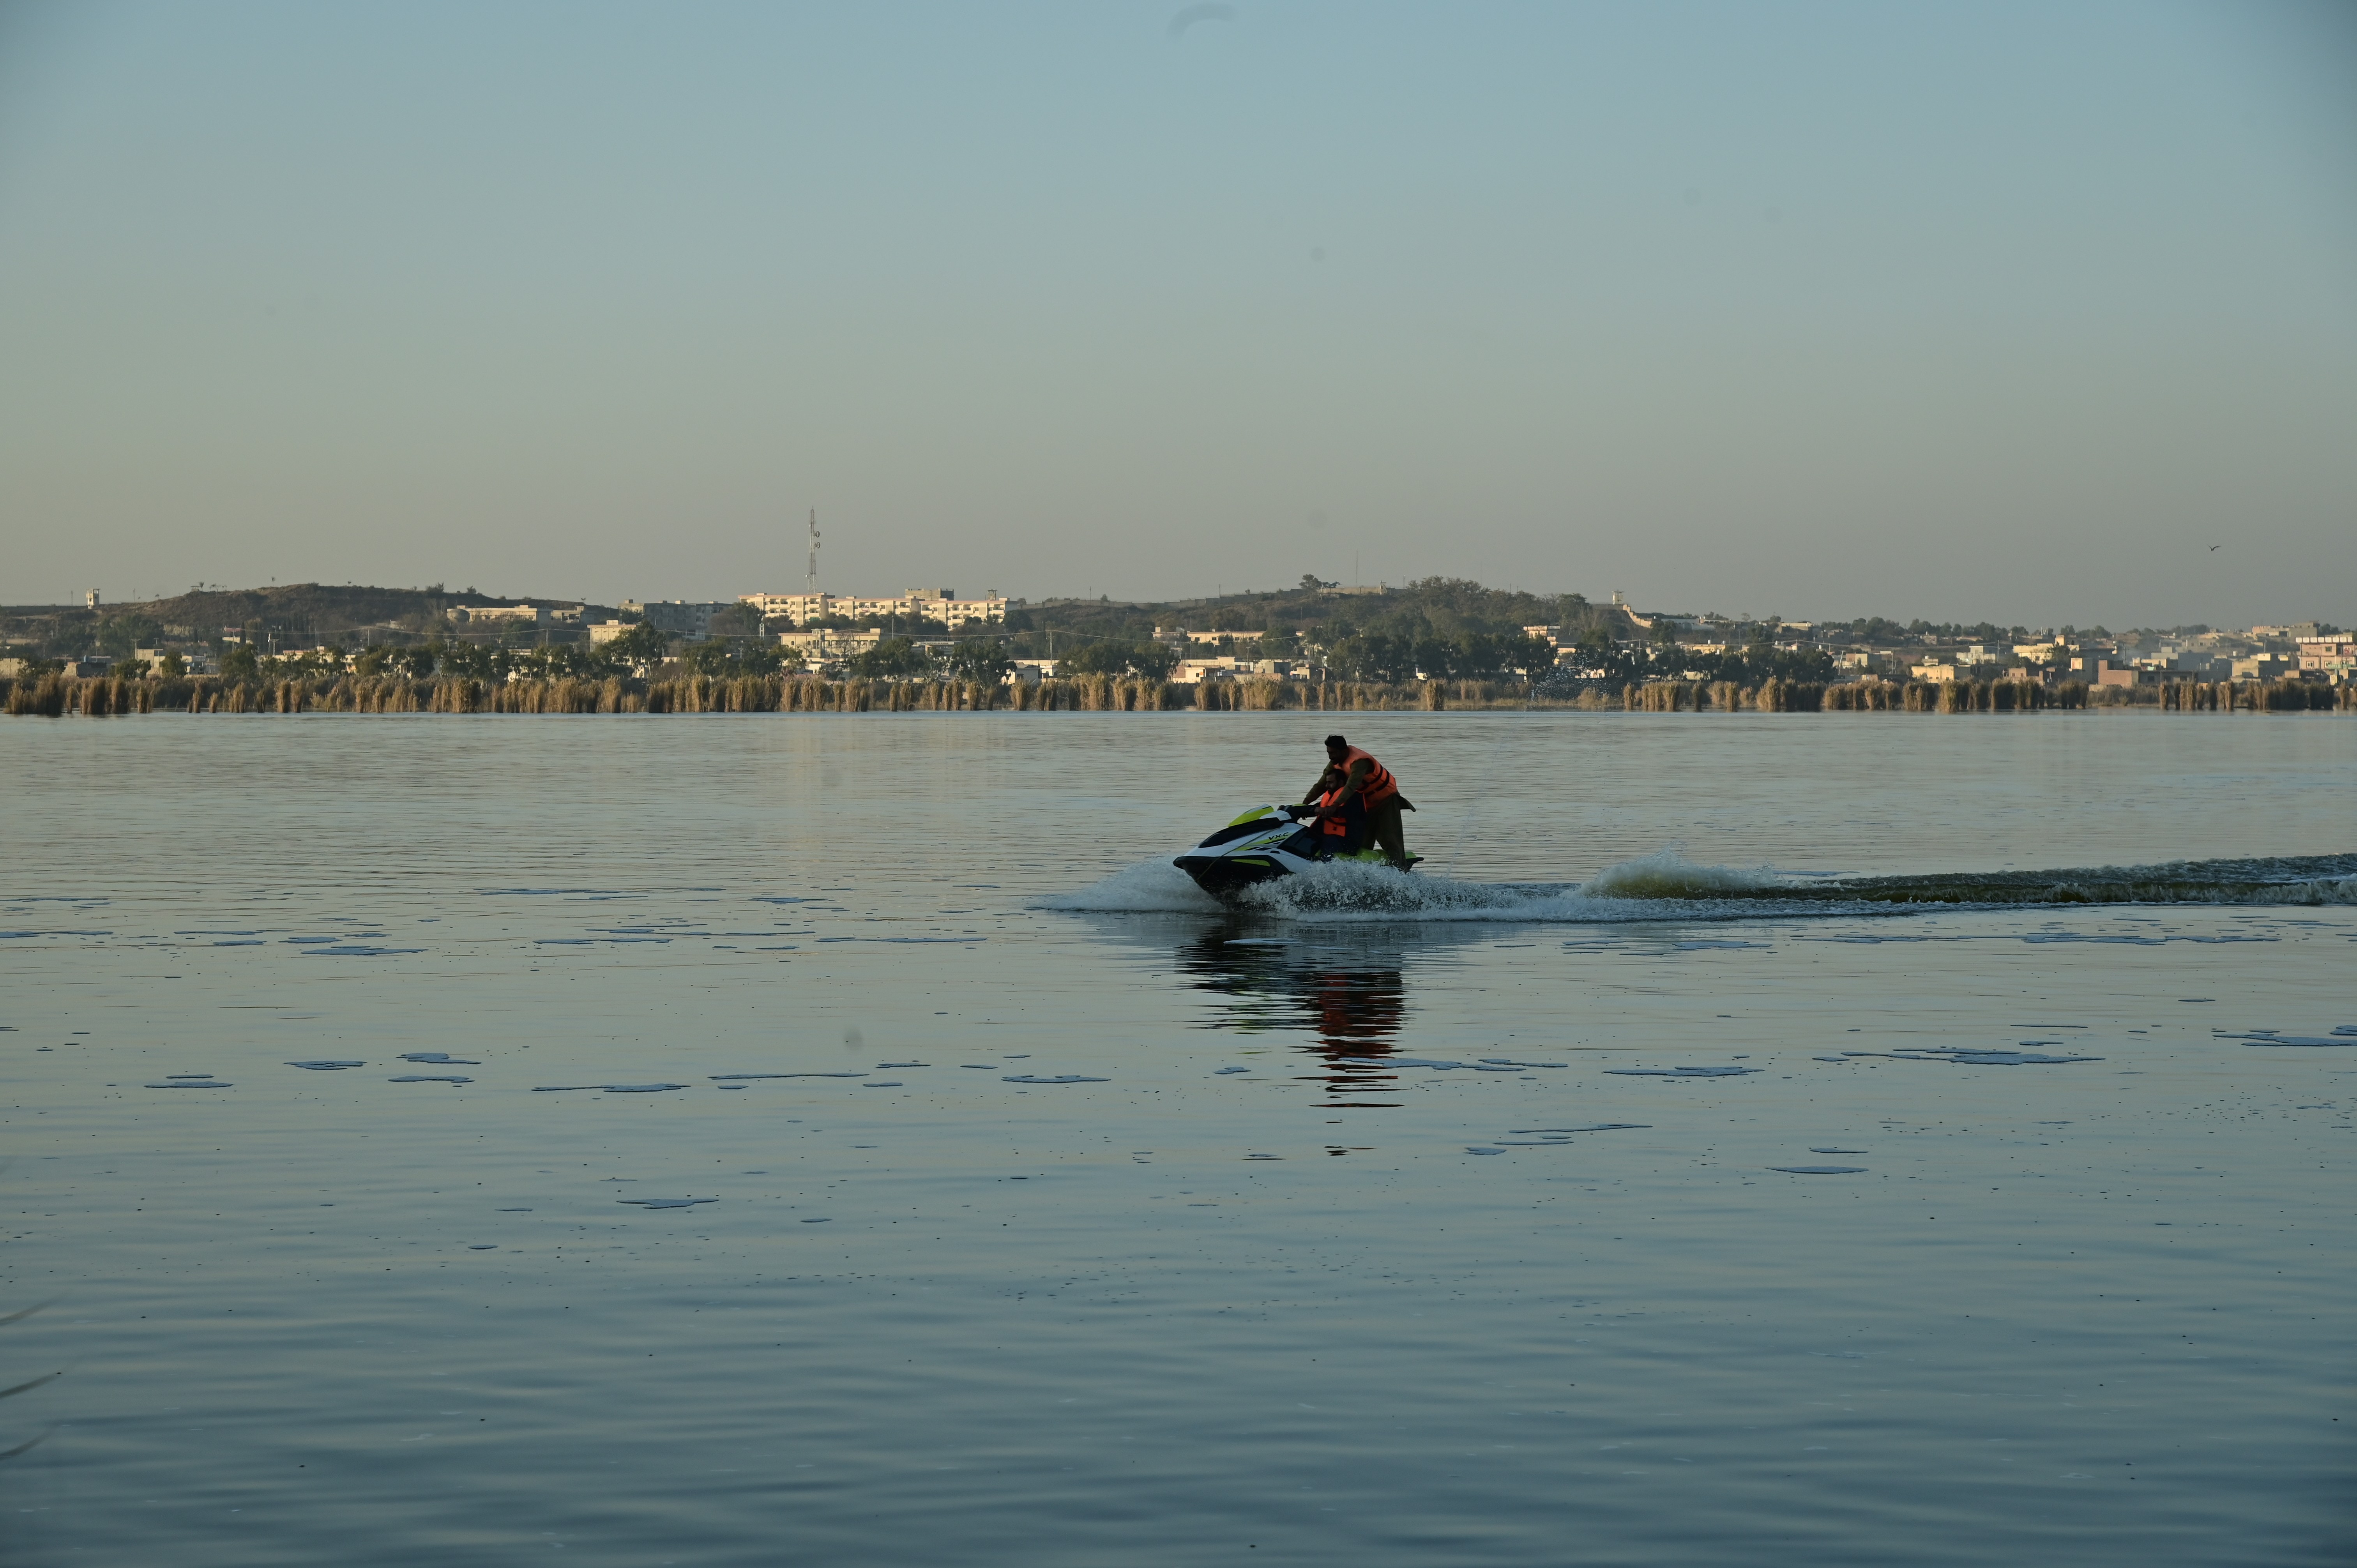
(1356, 797)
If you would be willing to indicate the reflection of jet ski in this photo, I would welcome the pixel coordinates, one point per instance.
(1264, 843)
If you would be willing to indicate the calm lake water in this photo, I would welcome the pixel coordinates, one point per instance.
(1057, 1218)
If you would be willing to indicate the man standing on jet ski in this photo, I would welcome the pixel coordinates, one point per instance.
(1357, 796)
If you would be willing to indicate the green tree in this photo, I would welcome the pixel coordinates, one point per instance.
(238, 662)
(1111, 657)
(122, 635)
(640, 648)
(974, 660)
(893, 658)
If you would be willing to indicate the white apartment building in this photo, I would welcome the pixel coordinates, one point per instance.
(939, 605)
(495, 614)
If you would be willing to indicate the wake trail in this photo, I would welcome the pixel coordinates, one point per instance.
(1666, 885)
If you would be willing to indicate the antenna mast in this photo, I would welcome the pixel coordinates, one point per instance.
(810, 575)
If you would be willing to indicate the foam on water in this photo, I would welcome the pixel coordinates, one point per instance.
(1666, 884)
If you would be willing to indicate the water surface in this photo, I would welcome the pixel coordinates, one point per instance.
(733, 1140)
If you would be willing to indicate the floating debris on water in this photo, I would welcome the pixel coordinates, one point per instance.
(1059, 1077)
(325, 1066)
(427, 1078)
(439, 1058)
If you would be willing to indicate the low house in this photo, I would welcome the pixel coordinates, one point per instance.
(1194, 672)
(824, 646)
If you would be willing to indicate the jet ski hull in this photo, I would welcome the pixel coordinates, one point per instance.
(1262, 845)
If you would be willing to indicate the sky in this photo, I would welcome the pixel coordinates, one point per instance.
(2041, 313)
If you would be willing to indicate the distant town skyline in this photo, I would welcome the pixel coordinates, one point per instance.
(2039, 313)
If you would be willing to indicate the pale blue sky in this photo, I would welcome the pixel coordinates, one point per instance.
(1814, 309)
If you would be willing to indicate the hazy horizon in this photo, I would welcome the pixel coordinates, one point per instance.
(2010, 312)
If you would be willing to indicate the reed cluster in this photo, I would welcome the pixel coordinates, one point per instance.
(1770, 696)
(54, 696)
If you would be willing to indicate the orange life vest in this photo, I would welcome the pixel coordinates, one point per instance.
(1380, 785)
(1332, 827)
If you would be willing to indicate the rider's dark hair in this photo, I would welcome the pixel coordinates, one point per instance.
(1337, 740)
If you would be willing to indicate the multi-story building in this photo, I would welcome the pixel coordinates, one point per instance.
(940, 606)
(690, 618)
(2331, 658)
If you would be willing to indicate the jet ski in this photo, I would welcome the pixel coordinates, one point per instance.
(1262, 845)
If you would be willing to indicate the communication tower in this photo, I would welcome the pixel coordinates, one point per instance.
(810, 574)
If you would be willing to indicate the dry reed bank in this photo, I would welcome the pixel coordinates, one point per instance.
(54, 696)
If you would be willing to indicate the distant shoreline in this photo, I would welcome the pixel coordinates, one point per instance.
(57, 696)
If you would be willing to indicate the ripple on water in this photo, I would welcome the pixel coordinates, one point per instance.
(1966, 1056)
